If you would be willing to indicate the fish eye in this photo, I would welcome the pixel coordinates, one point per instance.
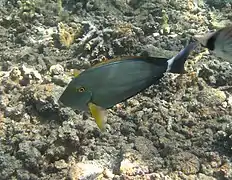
(81, 89)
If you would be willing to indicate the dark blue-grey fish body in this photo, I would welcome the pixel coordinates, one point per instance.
(110, 83)
(218, 42)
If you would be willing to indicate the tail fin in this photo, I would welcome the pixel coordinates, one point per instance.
(176, 64)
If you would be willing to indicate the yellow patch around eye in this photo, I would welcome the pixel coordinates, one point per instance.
(81, 89)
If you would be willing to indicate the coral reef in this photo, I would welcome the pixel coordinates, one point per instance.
(26, 9)
(68, 34)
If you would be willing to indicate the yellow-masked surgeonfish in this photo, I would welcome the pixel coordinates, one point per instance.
(218, 42)
(109, 83)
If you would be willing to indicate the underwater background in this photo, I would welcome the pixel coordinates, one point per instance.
(180, 128)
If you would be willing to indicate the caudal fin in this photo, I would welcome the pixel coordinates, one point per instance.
(176, 64)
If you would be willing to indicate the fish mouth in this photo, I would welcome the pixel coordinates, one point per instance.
(80, 108)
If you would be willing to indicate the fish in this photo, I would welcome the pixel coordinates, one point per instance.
(108, 83)
(219, 42)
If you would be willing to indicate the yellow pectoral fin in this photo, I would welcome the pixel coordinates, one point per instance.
(99, 114)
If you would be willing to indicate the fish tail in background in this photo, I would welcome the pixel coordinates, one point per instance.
(176, 64)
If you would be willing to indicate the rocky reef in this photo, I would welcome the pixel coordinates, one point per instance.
(178, 129)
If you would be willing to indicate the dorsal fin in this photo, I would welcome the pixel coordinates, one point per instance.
(118, 59)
